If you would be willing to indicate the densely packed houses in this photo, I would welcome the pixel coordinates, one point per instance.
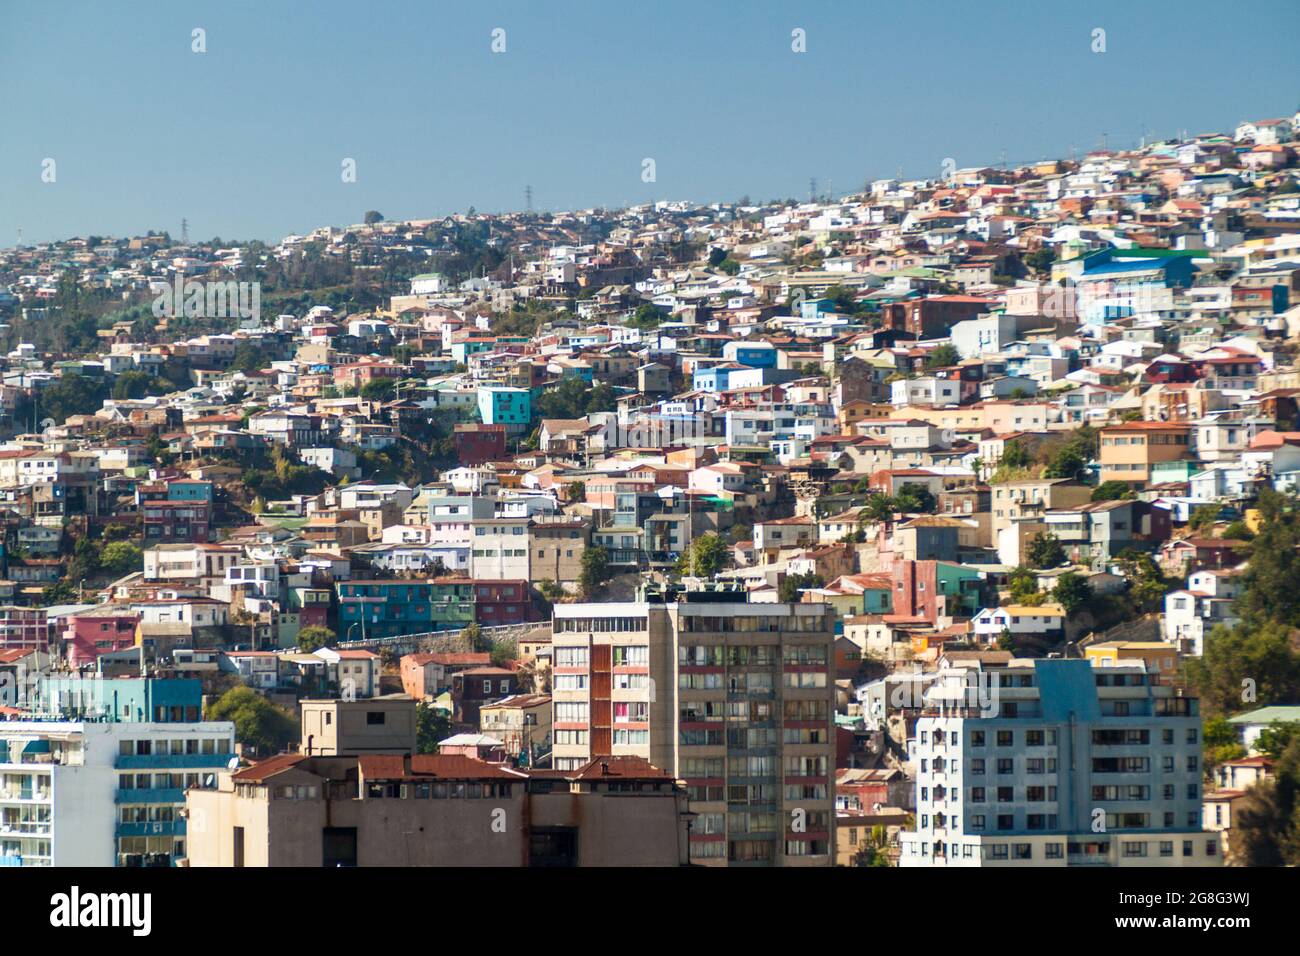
(831, 527)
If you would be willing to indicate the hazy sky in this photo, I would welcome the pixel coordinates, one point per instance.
(247, 139)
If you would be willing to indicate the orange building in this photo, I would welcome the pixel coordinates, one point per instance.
(1128, 451)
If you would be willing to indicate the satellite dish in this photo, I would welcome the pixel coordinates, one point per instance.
(210, 780)
(47, 424)
(233, 764)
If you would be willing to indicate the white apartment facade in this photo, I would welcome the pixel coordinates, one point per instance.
(1057, 763)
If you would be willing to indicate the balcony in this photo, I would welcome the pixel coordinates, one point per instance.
(174, 828)
(151, 795)
(171, 761)
(26, 828)
(24, 796)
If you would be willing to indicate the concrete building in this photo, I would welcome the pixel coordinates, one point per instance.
(361, 797)
(735, 698)
(103, 793)
(1057, 763)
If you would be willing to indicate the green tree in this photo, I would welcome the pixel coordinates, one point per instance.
(259, 725)
(1014, 456)
(1271, 581)
(1071, 592)
(1238, 531)
(706, 556)
(1274, 739)
(568, 399)
(1203, 519)
(1147, 583)
(575, 491)
(1221, 742)
(1266, 827)
(314, 637)
(874, 851)
(504, 652)
(942, 356)
(646, 317)
(121, 557)
(1045, 551)
(379, 390)
(248, 358)
(878, 508)
(595, 570)
(431, 725)
(1040, 260)
(844, 298)
(793, 584)
(70, 395)
(1252, 664)
(1067, 464)
(914, 499)
(1067, 458)
(1112, 490)
(1023, 585)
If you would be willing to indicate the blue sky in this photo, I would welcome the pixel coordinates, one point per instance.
(247, 139)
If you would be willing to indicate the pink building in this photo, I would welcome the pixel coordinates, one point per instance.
(99, 631)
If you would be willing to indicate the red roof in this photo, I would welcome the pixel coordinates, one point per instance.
(633, 768)
(268, 768)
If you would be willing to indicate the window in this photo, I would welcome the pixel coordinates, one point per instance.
(374, 717)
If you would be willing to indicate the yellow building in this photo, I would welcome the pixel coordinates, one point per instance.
(1160, 658)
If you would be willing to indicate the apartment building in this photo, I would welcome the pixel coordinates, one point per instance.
(733, 697)
(1129, 451)
(499, 549)
(1057, 763)
(359, 796)
(1032, 498)
(557, 544)
(103, 792)
(397, 606)
(197, 563)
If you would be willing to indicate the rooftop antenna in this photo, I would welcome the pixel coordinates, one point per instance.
(528, 198)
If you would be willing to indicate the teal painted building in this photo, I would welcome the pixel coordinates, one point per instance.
(503, 405)
(391, 608)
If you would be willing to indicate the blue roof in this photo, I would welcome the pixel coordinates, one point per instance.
(1130, 265)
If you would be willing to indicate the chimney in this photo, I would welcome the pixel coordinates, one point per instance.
(604, 768)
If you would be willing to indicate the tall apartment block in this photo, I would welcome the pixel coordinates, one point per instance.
(100, 778)
(1057, 763)
(734, 698)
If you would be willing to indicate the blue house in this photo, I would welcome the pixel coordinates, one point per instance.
(503, 405)
(753, 354)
